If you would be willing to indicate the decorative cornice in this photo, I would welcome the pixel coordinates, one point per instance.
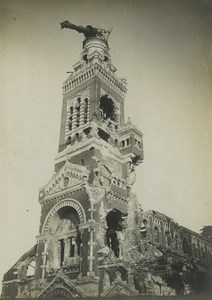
(80, 147)
(112, 196)
(63, 193)
(90, 72)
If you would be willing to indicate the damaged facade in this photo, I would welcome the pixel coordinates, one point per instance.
(94, 238)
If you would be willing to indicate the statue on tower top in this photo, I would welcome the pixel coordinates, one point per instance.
(88, 31)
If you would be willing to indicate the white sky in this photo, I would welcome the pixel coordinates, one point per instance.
(163, 48)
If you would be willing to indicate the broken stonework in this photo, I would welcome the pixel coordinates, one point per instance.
(94, 238)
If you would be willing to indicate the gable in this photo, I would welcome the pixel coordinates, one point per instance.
(61, 287)
(119, 289)
(58, 291)
(67, 177)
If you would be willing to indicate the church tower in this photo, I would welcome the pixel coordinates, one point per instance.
(85, 202)
(94, 239)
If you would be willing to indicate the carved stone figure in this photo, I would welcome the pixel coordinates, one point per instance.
(65, 225)
(118, 276)
(106, 280)
(88, 31)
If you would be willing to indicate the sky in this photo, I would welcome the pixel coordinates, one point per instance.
(164, 50)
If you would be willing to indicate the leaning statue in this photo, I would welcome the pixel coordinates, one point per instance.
(88, 31)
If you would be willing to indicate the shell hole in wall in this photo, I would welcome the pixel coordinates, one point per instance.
(103, 135)
(115, 222)
(108, 108)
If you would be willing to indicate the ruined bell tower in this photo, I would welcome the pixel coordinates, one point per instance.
(94, 239)
(83, 206)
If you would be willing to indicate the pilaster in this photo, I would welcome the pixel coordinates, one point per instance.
(44, 256)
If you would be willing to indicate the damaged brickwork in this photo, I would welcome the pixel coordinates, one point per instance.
(94, 238)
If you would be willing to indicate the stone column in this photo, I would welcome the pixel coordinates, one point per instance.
(57, 253)
(75, 248)
(66, 250)
(91, 252)
(79, 248)
(88, 108)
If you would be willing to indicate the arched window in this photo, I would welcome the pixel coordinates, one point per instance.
(168, 238)
(70, 125)
(177, 242)
(77, 107)
(185, 245)
(65, 226)
(156, 235)
(202, 255)
(195, 250)
(86, 110)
